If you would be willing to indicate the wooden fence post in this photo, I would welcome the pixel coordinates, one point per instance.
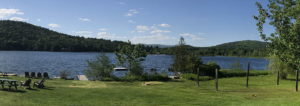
(278, 76)
(297, 78)
(247, 75)
(198, 77)
(216, 80)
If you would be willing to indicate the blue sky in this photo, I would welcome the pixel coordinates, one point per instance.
(200, 22)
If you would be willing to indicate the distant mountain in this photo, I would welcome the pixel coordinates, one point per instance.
(15, 35)
(238, 48)
(249, 44)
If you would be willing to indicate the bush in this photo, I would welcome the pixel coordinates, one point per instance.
(64, 74)
(100, 68)
(276, 65)
(190, 76)
(130, 78)
(209, 69)
(237, 73)
(224, 73)
(108, 79)
(156, 77)
(136, 69)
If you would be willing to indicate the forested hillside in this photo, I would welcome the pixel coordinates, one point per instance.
(238, 48)
(16, 35)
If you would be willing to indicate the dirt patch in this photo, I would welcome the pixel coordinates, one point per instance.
(151, 83)
(87, 84)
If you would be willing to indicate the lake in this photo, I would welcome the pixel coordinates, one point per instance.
(52, 62)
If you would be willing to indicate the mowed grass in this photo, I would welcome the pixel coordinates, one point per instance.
(262, 91)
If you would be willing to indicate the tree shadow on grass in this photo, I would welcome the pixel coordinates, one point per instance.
(228, 91)
(13, 90)
(290, 79)
(48, 88)
(32, 89)
(174, 81)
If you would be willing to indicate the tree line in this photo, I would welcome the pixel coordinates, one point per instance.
(245, 48)
(24, 36)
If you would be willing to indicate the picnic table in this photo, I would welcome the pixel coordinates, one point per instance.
(10, 83)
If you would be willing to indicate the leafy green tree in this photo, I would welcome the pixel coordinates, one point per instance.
(64, 74)
(100, 68)
(136, 69)
(284, 42)
(194, 63)
(209, 69)
(132, 55)
(276, 65)
(181, 55)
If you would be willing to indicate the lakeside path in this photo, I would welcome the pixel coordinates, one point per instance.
(232, 91)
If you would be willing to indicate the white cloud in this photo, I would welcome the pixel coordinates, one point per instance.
(157, 31)
(164, 25)
(38, 20)
(142, 28)
(153, 35)
(84, 19)
(4, 13)
(103, 29)
(191, 36)
(132, 12)
(106, 35)
(131, 21)
(84, 33)
(17, 19)
(53, 25)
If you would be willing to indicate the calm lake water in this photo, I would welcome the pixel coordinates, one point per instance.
(52, 62)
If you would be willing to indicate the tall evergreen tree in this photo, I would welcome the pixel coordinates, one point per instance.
(181, 60)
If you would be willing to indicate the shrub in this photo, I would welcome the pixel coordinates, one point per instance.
(236, 73)
(136, 69)
(155, 77)
(63, 74)
(190, 76)
(209, 69)
(276, 65)
(100, 68)
(130, 78)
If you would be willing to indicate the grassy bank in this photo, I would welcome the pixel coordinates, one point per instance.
(262, 91)
(226, 74)
(242, 73)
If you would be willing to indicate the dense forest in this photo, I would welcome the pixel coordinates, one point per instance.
(238, 48)
(15, 35)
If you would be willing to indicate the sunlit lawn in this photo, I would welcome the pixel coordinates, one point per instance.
(232, 91)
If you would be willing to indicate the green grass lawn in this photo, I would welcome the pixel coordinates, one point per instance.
(262, 91)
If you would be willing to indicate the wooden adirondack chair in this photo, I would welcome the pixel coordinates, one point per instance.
(39, 84)
(26, 83)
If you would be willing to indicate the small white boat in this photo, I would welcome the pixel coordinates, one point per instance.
(81, 78)
(120, 71)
